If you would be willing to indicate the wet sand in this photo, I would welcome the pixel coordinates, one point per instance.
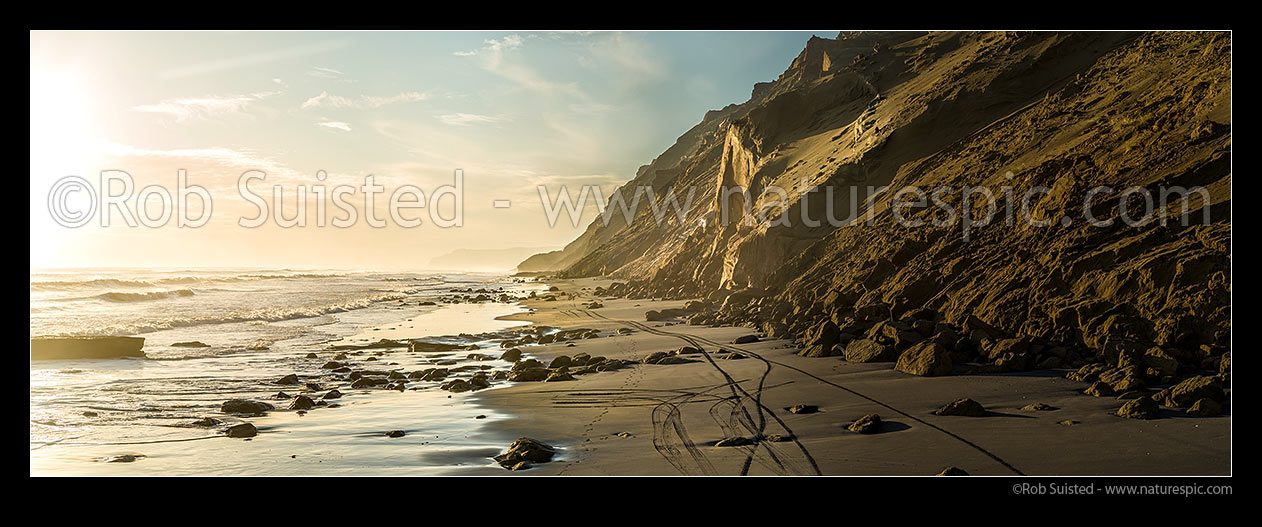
(665, 419)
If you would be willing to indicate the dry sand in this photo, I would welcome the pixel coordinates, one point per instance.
(665, 419)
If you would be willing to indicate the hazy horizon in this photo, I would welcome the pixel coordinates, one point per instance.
(510, 110)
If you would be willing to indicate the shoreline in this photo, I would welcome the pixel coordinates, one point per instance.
(666, 419)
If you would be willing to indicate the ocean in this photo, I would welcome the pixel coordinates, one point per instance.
(258, 325)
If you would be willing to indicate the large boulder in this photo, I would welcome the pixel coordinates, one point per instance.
(1141, 408)
(1193, 389)
(926, 359)
(865, 350)
(822, 340)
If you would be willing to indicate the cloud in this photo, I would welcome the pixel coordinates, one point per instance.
(325, 100)
(465, 119)
(494, 46)
(338, 125)
(207, 107)
(491, 57)
(324, 73)
(252, 59)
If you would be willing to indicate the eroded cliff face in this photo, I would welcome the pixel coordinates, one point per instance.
(1065, 112)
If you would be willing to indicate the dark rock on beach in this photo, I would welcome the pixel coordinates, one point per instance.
(242, 430)
(964, 407)
(527, 450)
(866, 425)
(244, 406)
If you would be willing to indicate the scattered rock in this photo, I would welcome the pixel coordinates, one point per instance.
(243, 406)
(301, 402)
(864, 350)
(125, 458)
(396, 433)
(964, 407)
(190, 344)
(1191, 390)
(1099, 389)
(1068, 422)
(926, 359)
(290, 379)
(803, 409)
(1141, 408)
(952, 471)
(332, 365)
(311, 356)
(745, 339)
(526, 450)
(512, 355)
(1038, 407)
(206, 422)
(866, 425)
(242, 430)
(734, 441)
(1205, 408)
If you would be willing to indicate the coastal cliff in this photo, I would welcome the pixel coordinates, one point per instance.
(1103, 124)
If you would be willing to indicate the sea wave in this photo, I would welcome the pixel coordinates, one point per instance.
(119, 296)
(276, 314)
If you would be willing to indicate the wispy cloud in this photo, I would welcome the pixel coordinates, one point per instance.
(337, 125)
(324, 73)
(189, 108)
(254, 59)
(326, 100)
(465, 119)
(491, 57)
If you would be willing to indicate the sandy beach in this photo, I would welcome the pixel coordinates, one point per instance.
(665, 419)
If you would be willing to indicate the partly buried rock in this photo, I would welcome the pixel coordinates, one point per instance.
(803, 409)
(529, 375)
(745, 339)
(243, 406)
(125, 458)
(190, 344)
(525, 450)
(821, 340)
(290, 379)
(1193, 389)
(242, 430)
(952, 471)
(562, 374)
(734, 441)
(965, 407)
(926, 359)
(206, 422)
(333, 394)
(1038, 407)
(1141, 408)
(512, 355)
(866, 425)
(865, 350)
(396, 433)
(457, 386)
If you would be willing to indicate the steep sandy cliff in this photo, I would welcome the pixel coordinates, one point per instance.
(1064, 112)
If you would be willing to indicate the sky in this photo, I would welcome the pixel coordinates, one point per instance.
(312, 112)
